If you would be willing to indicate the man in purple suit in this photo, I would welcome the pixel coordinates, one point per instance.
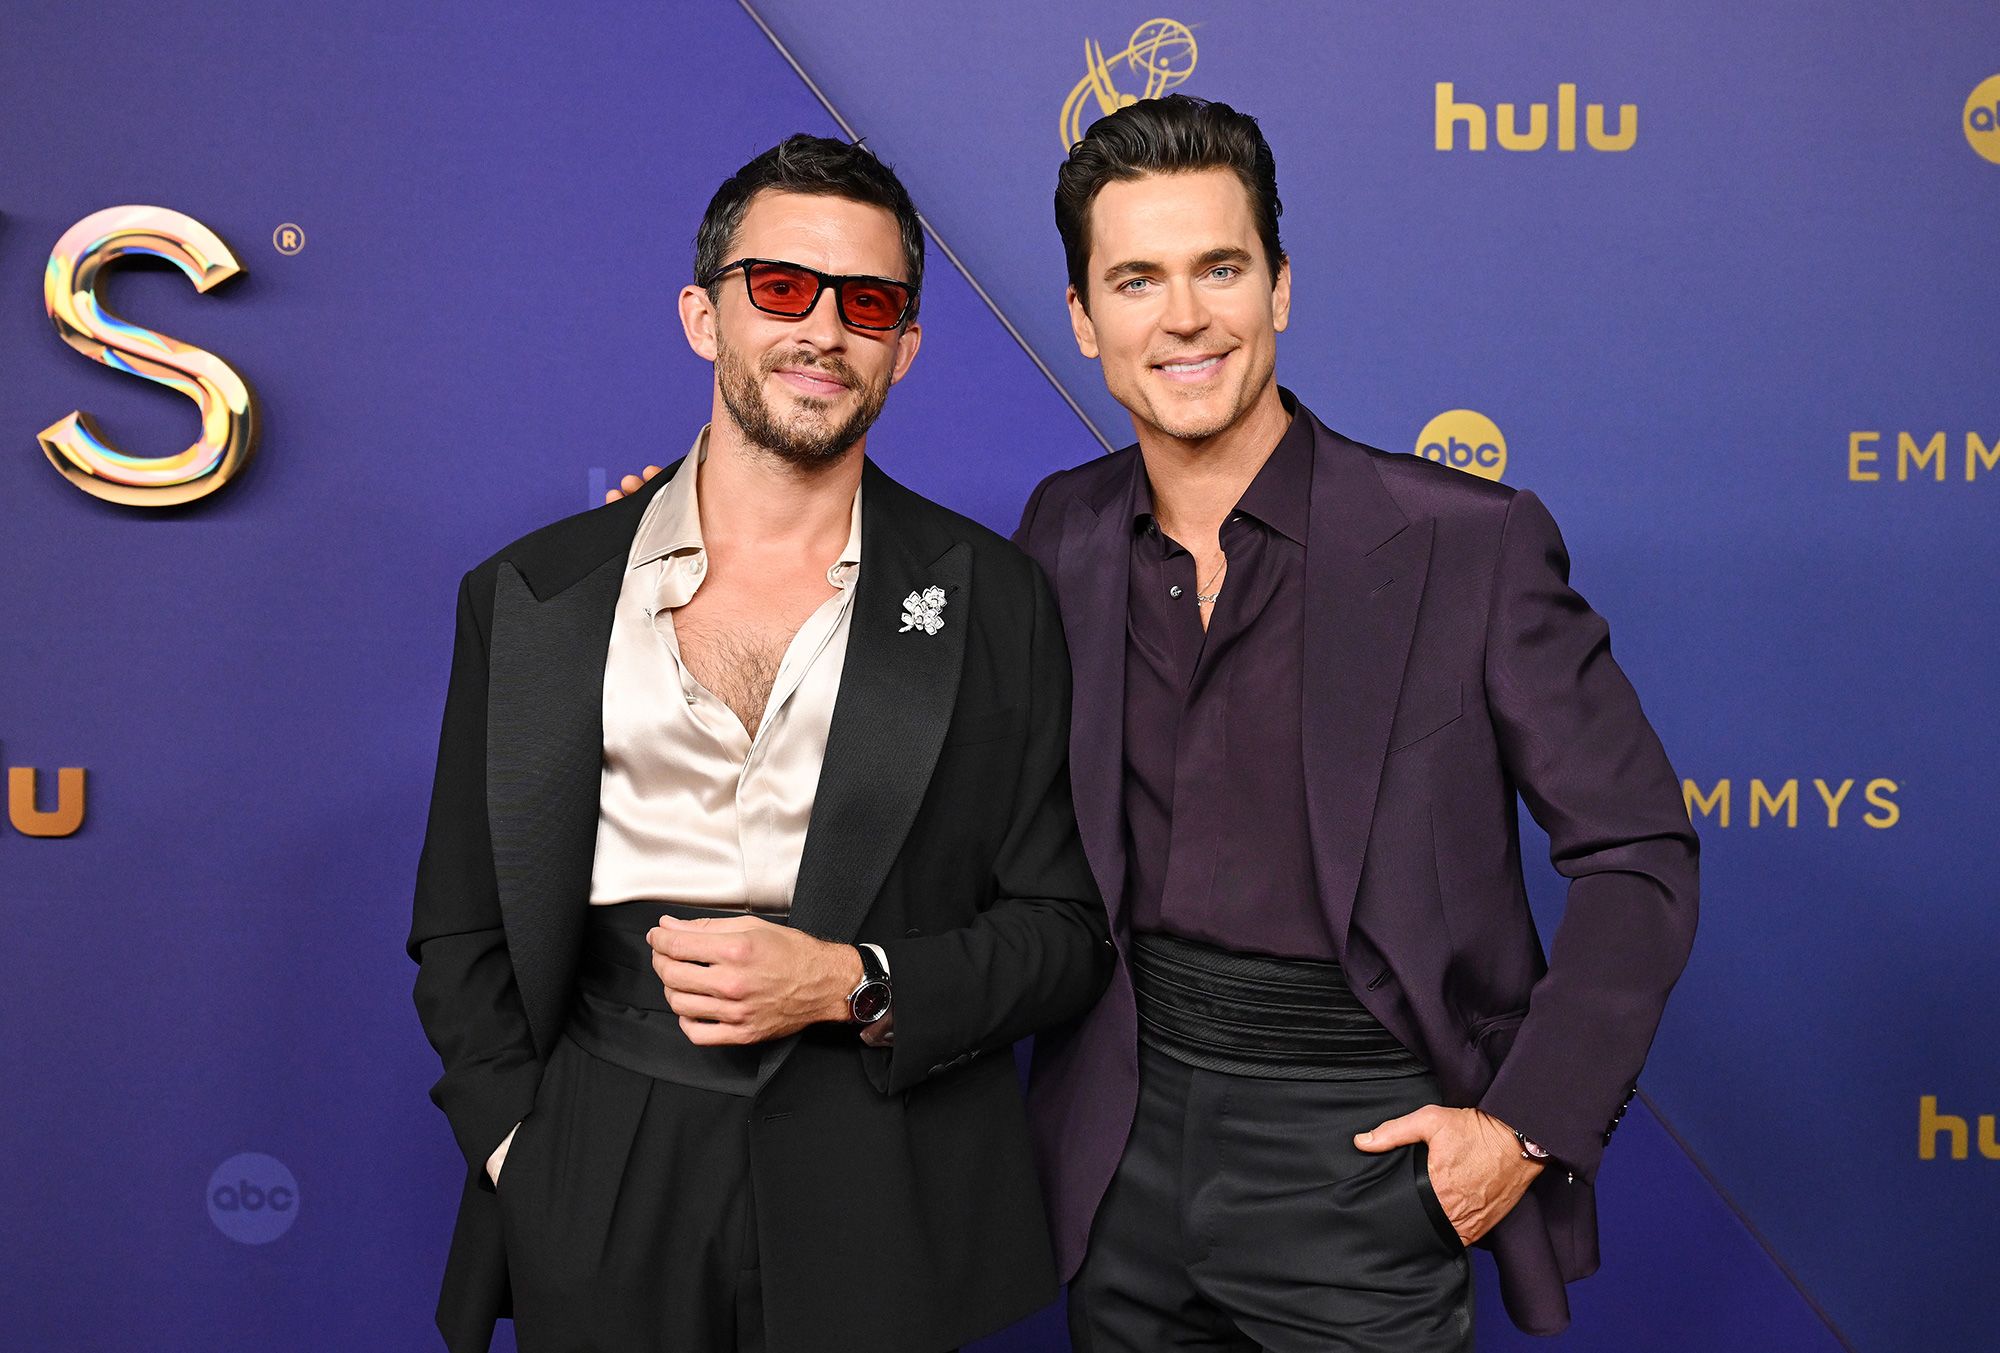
(1312, 682)
(1311, 679)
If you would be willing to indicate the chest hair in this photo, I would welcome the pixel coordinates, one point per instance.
(739, 662)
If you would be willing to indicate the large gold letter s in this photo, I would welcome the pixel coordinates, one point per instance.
(76, 446)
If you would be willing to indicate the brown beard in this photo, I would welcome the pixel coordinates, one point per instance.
(808, 441)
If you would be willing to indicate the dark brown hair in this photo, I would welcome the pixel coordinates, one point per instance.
(1173, 135)
(815, 165)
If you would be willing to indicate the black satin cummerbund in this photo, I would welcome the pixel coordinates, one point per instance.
(1249, 1015)
(621, 1012)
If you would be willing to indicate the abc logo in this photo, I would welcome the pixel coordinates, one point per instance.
(1464, 440)
(253, 1198)
(1982, 118)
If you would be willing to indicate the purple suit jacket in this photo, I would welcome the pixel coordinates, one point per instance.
(1448, 669)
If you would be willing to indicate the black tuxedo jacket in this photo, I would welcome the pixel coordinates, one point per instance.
(897, 1202)
(1449, 671)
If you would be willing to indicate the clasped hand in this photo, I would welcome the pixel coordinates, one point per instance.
(1476, 1165)
(741, 979)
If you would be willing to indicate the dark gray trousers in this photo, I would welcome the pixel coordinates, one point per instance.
(1243, 1218)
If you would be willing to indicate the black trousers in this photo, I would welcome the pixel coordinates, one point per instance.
(1242, 1217)
(629, 1219)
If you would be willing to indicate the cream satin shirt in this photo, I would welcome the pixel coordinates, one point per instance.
(692, 807)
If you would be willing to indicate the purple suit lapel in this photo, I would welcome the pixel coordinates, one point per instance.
(1365, 569)
(1093, 575)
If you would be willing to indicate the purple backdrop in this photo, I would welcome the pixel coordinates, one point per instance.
(498, 204)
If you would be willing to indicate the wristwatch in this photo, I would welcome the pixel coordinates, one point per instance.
(869, 1001)
(1530, 1151)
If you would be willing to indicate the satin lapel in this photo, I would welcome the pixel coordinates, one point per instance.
(1093, 578)
(544, 759)
(1365, 569)
(897, 691)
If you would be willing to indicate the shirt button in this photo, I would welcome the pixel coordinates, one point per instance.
(695, 567)
(1174, 591)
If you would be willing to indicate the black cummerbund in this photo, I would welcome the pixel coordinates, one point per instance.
(1249, 1015)
(621, 1012)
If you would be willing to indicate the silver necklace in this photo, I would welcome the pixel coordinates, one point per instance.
(1206, 598)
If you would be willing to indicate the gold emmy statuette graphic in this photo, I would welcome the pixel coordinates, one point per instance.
(1162, 51)
(75, 445)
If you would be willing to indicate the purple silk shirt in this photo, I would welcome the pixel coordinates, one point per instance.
(1215, 798)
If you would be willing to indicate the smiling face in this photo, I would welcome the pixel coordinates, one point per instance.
(1183, 313)
(805, 390)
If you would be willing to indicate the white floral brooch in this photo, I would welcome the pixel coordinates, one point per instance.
(925, 612)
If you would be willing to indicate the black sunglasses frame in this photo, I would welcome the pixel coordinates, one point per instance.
(822, 280)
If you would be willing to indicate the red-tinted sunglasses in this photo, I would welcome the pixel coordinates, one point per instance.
(792, 290)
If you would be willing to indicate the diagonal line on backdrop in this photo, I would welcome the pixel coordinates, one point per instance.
(1762, 1241)
(931, 230)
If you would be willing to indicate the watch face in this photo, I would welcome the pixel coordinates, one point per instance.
(870, 1003)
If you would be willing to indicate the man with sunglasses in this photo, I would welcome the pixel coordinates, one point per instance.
(718, 1077)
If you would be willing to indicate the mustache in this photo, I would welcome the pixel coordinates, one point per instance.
(807, 360)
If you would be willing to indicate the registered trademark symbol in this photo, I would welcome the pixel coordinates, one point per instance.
(288, 238)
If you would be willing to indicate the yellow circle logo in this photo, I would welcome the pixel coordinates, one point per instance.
(1982, 118)
(1465, 440)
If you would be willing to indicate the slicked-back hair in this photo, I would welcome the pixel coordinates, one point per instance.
(817, 166)
(1173, 135)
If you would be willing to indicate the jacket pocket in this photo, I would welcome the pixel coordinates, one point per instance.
(1493, 1035)
(1420, 1166)
(1424, 711)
